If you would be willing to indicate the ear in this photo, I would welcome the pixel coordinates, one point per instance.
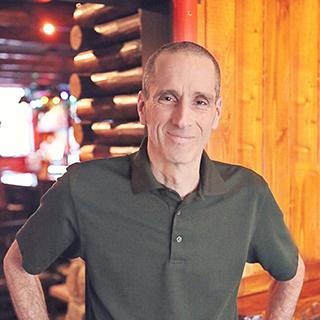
(141, 107)
(218, 107)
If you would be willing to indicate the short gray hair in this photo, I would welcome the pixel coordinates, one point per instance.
(178, 47)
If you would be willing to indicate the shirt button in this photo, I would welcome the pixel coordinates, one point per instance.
(178, 213)
(179, 239)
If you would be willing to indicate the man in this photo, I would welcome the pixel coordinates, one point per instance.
(165, 233)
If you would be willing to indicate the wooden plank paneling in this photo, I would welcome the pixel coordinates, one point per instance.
(220, 41)
(269, 53)
(249, 68)
(303, 116)
(276, 102)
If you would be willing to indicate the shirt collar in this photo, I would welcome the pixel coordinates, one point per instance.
(143, 180)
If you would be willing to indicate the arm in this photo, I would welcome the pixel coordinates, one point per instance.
(25, 289)
(283, 296)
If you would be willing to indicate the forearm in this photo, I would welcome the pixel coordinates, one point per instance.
(283, 296)
(25, 289)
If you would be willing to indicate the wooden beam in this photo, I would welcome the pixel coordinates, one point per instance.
(91, 14)
(26, 13)
(49, 68)
(26, 78)
(40, 60)
(33, 47)
(23, 33)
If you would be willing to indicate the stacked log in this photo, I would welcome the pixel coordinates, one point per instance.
(108, 77)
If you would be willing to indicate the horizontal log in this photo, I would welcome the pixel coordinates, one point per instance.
(90, 152)
(129, 134)
(83, 133)
(119, 108)
(104, 84)
(91, 14)
(120, 30)
(118, 57)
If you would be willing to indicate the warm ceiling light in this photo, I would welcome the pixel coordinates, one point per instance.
(44, 99)
(56, 100)
(48, 28)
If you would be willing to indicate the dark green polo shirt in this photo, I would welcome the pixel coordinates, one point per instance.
(150, 255)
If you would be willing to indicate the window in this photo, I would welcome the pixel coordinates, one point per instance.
(16, 130)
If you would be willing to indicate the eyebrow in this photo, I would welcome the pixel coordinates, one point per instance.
(164, 92)
(207, 96)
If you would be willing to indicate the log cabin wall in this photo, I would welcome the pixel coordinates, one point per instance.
(268, 51)
(108, 77)
(112, 47)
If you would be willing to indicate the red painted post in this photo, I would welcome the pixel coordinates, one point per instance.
(184, 15)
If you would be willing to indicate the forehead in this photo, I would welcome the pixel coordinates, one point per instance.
(184, 69)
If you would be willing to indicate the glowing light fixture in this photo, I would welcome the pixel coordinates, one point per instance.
(44, 100)
(72, 99)
(48, 28)
(56, 100)
(36, 103)
(64, 95)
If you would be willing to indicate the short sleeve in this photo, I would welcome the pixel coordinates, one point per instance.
(272, 244)
(51, 231)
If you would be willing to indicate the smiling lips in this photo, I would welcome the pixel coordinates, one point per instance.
(180, 138)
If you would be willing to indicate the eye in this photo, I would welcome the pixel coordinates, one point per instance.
(201, 103)
(167, 99)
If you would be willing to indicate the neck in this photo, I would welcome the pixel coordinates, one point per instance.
(183, 178)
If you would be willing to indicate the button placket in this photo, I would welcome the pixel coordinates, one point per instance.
(177, 243)
(179, 238)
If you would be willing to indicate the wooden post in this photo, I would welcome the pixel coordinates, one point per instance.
(184, 20)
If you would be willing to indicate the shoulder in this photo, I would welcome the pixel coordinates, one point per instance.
(104, 164)
(235, 175)
(106, 169)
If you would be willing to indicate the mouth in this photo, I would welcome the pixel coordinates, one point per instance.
(180, 138)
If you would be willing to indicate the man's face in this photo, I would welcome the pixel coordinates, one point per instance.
(181, 109)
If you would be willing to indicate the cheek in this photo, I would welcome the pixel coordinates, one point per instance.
(158, 116)
(205, 123)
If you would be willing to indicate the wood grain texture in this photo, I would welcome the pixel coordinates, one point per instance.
(269, 53)
(276, 101)
(220, 41)
(249, 68)
(304, 125)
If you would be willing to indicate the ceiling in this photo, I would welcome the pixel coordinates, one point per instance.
(28, 57)
(31, 59)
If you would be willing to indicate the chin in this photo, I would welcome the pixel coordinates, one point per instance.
(181, 159)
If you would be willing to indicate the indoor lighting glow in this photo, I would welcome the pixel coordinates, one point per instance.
(44, 100)
(48, 28)
(56, 100)
(36, 104)
(64, 95)
(72, 99)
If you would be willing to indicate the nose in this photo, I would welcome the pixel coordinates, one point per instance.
(181, 115)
